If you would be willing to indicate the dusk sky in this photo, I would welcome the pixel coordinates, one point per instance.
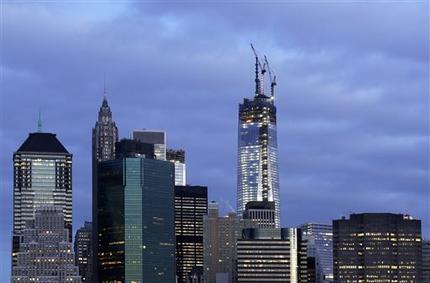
(352, 96)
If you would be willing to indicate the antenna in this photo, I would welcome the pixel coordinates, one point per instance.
(272, 78)
(104, 83)
(39, 123)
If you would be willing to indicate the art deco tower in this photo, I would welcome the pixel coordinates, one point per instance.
(258, 177)
(105, 135)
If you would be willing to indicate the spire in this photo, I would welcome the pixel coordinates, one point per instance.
(104, 83)
(39, 123)
(105, 103)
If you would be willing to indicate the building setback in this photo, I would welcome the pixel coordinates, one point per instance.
(377, 247)
(135, 230)
(45, 253)
(258, 177)
(42, 176)
(191, 204)
(271, 255)
(83, 251)
(320, 247)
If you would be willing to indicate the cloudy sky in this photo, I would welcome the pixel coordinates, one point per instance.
(352, 97)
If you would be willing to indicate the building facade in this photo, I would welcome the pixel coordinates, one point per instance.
(45, 252)
(157, 138)
(191, 204)
(320, 247)
(425, 270)
(83, 252)
(219, 244)
(262, 213)
(105, 134)
(258, 177)
(271, 255)
(377, 247)
(135, 229)
(178, 158)
(42, 176)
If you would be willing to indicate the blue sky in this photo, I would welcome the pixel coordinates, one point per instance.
(352, 97)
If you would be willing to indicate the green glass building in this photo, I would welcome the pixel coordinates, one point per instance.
(135, 220)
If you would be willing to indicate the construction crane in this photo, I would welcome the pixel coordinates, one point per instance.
(259, 83)
(272, 78)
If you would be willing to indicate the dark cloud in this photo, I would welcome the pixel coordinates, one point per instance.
(352, 97)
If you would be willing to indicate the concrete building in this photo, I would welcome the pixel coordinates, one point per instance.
(219, 242)
(45, 252)
(377, 247)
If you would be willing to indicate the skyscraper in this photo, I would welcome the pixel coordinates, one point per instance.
(191, 204)
(105, 135)
(42, 176)
(178, 158)
(157, 138)
(83, 252)
(271, 255)
(258, 177)
(135, 228)
(320, 246)
(45, 252)
(377, 247)
(104, 138)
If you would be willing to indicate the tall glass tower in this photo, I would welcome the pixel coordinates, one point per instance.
(42, 176)
(258, 177)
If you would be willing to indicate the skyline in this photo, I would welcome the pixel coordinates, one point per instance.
(350, 104)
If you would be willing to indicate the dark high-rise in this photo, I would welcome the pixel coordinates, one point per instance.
(271, 255)
(42, 176)
(377, 247)
(191, 204)
(83, 252)
(135, 212)
(258, 177)
(104, 138)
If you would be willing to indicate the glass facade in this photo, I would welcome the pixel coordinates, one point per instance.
(320, 247)
(136, 237)
(258, 177)
(42, 176)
